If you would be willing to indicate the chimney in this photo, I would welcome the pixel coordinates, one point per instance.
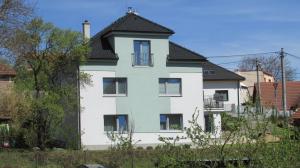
(86, 29)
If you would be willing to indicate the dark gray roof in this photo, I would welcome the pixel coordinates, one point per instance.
(101, 50)
(179, 53)
(135, 23)
(220, 73)
(100, 47)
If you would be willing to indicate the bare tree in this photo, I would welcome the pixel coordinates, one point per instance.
(14, 14)
(269, 64)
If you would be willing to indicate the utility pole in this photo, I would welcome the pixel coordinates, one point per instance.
(258, 86)
(283, 84)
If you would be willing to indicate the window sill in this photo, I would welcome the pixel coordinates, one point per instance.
(142, 66)
(171, 131)
(114, 95)
(116, 132)
(169, 95)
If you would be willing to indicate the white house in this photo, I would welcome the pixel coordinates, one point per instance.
(142, 81)
(222, 92)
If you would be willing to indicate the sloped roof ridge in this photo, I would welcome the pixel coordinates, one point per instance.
(184, 48)
(239, 76)
(226, 70)
(105, 28)
(117, 23)
(153, 23)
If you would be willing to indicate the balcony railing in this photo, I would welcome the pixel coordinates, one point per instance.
(213, 104)
(142, 59)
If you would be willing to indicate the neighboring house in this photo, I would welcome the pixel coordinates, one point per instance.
(6, 80)
(296, 117)
(141, 81)
(251, 79)
(221, 91)
(271, 98)
(6, 77)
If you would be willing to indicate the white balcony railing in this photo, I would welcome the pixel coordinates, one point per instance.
(142, 59)
(211, 104)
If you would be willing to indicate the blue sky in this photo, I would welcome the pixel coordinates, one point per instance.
(209, 27)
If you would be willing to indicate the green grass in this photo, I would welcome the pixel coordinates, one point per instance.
(274, 154)
(69, 158)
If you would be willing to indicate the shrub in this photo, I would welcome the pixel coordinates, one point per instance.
(140, 148)
(149, 148)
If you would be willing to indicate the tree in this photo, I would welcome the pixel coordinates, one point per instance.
(269, 64)
(14, 14)
(47, 60)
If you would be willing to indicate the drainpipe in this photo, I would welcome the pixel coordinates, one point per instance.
(238, 95)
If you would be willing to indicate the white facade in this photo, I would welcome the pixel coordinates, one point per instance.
(210, 88)
(95, 105)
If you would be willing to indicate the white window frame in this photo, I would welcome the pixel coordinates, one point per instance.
(117, 87)
(151, 60)
(166, 88)
(168, 123)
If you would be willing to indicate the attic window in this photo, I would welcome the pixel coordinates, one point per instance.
(209, 72)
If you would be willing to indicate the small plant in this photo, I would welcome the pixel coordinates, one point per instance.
(149, 148)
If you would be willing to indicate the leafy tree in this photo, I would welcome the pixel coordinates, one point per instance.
(47, 60)
(270, 64)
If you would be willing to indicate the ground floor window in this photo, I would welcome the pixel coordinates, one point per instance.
(209, 123)
(171, 122)
(116, 123)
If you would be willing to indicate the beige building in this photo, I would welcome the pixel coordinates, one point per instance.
(251, 79)
(6, 80)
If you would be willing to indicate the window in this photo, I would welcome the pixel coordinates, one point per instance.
(209, 123)
(221, 95)
(115, 123)
(209, 72)
(171, 122)
(142, 55)
(115, 86)
(170, 86)
(4, 78)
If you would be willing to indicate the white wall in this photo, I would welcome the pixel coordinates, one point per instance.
(93, 107)
(211, 86)
(191, 97)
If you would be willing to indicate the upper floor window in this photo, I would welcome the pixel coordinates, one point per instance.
(114, 86)
(115, 123)
(221, 95)
(170, 86)
(142, 53)
(209, 72)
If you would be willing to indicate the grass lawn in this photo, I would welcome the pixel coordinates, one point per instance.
(277, 154)
(68, 158)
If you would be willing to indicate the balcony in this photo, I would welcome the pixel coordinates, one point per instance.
(213, 105)
(142, 59)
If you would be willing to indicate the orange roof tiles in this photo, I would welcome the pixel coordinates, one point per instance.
(6, 70)
(268, 94)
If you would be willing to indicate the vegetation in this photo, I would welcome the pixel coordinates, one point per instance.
(270, 64)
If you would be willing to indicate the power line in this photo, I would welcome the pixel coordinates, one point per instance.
(229, 62)
(295, 56)
(242, 55)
